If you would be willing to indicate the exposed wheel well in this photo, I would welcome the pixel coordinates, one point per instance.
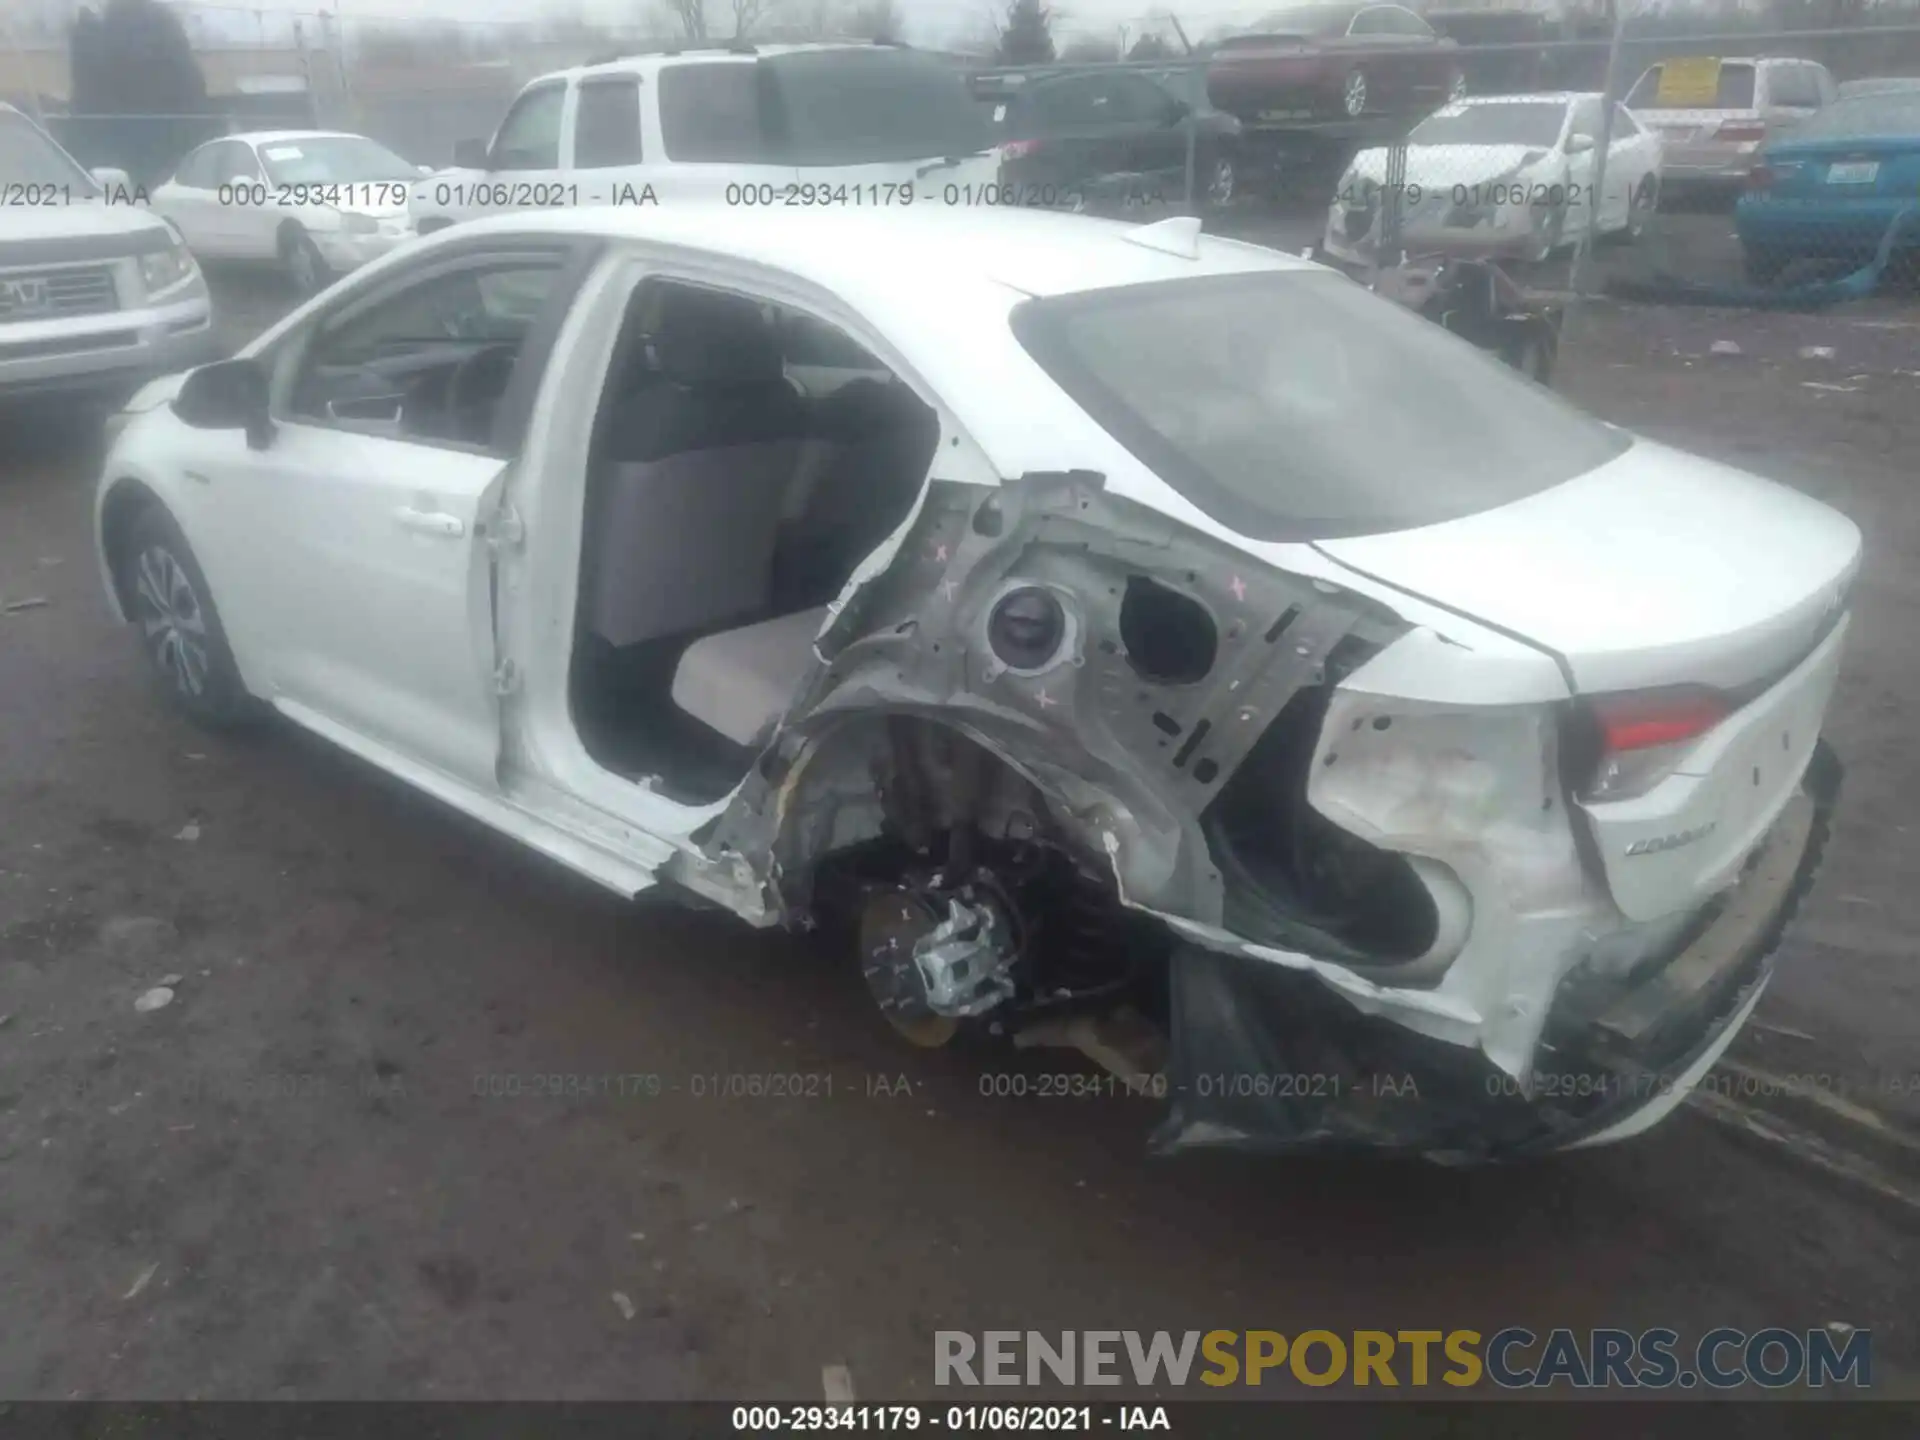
(126, 502)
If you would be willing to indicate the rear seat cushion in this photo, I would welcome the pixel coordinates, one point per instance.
(740, 681)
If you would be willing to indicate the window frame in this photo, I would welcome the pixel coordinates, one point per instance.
(573, 260)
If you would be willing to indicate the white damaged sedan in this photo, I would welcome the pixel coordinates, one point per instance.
(1502, 176)
(1125, 638)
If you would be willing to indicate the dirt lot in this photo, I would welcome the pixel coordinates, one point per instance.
(299, 1178)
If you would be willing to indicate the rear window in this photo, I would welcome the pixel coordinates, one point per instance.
(1307, 20)
(1895, 113)
(868, 106)
(1295, 405)
(1691, 86)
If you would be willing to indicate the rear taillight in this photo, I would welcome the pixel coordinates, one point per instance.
(1638, 740)
(1741, 131)
(1760, 178)
(1015, 149)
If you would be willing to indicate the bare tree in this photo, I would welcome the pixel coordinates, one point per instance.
(689, 15)
(749, 13)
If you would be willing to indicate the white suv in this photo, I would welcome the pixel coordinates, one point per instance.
(97, 294)
(773, 128)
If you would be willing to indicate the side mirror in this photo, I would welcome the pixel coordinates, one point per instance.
(1177, 111)
(1579, 144)
(227, 395)
(470, 154)
(112, 179)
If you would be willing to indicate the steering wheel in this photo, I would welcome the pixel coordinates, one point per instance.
(475, 386)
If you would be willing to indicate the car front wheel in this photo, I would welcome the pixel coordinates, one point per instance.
(179, 628)
(306, 267)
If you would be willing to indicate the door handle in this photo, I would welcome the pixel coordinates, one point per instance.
(431, 522)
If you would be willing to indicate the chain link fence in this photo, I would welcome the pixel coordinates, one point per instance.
(1770, 168)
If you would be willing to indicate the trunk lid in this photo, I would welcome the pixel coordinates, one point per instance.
(1658, 572)
(1657, 568)
(1846, 168)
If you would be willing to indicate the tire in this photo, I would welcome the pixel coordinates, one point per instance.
(178, 626)
(1551, 241)
(1641, 206)
(1761, 266)
(306, 267)
(1221, 183)
(1353, 94)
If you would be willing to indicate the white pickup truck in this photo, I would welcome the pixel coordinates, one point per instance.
(97, 294)
(773, 128)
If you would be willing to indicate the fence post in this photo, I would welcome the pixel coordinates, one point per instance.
(1596, 195)
(1388, 253)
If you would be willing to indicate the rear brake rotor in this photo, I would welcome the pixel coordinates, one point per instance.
(892, 922)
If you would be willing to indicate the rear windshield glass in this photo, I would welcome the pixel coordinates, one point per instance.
(1896, 113)
(1496, 123)
(1307, 20)
(1734, 91)
(1295, 405)
(867, 106)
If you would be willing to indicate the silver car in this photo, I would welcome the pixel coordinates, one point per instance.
(97, 294)
(1713, 114)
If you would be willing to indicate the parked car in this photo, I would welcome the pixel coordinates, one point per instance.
(96, 294)
(1832, 189)
(1507, 175)
(318, 203)
(1880, 86)
(1244, 675)
(1714, 114)
(1114, 139)
(1335, 62)
(775, 128)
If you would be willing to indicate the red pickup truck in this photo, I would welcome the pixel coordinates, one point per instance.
(1313, 63)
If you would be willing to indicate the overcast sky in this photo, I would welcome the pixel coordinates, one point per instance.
(928, 22)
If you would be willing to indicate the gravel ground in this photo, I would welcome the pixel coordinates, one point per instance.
(295, 1180)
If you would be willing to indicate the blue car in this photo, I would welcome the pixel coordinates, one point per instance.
(1831, 187)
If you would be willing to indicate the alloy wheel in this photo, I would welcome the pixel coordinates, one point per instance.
(171, 621)
(1353, 99)
(1220, 182)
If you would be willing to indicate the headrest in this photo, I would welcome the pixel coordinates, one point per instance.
(705, 338)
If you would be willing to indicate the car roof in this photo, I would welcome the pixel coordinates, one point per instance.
(721, 54)
(279, 137)
(1538, 97)
(873, 257)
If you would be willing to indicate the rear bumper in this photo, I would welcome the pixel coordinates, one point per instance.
(1267, 1059)
(1821, 229)
(104, 354)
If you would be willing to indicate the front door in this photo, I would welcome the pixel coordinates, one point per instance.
(397, 415)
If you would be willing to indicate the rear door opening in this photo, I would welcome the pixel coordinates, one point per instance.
(745, 458)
